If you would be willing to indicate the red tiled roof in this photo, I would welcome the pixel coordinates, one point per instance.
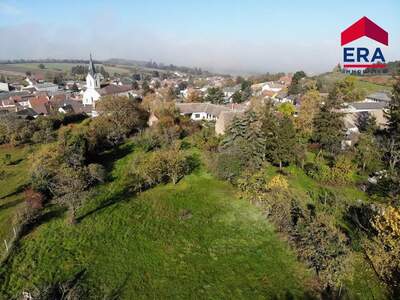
(40, 104)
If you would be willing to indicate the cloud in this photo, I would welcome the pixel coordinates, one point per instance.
(8, 9)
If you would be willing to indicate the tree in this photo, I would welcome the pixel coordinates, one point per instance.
(42, 66)
(384, 250)
(69, 185)
(237, 97)
(2, 78)
(287, 109)
(393, 114)
(366, 122)
(215, 95)
(329, 129)
(146, 88)
(310, 106)
(121, 116)
(392, 153)
(368, 153)
(324, 247)
(75, 88)
(284, 142)
(72, 147)
(103, 72)
(245, 89)
(58, 79)
(194, 96)
(346, 91)
(295, 86)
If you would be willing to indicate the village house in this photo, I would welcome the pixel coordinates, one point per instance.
(46, 87)
(221, 114)
(378, 97)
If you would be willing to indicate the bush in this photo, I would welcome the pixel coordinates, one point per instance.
(226, 165)
(147, 140)
(96, 174)
(278, 182)
(324, 247)
(34, 199)
(342, 172)
(160, 166)
(384, 249)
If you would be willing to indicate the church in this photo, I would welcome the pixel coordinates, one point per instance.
(95, 89)
(92, 92)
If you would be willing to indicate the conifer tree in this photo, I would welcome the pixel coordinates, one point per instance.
(393, 114)
(284, 142)
(329, 128)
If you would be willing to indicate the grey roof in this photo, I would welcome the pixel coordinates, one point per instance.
(27, 112)
(7, 95)
(231, 89)
(213, 109)
(228, 116)
(368, 105)
(45, 85)
(92, 69)
(379, 96)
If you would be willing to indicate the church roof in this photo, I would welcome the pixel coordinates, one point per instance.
(92, 69)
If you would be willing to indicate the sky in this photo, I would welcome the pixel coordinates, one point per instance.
(233, 36)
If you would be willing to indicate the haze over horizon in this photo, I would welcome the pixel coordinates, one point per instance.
(224, 36)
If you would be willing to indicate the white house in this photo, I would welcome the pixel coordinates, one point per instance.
(272, 87)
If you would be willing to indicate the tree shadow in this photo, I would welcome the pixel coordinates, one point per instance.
(109, 157)
(15, 162)
(53, 213)
(116, 293)
(10, 204)
(18, 190)
(117, 197)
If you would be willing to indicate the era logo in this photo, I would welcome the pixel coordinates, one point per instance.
(362, 57)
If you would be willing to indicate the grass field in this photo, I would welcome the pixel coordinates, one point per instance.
(53, 68)
(370, 87)
(195, 239)
(367, 84)
(192, 240)
(14, 178)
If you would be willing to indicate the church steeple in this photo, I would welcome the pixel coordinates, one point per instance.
(92, 78)
(92, 69)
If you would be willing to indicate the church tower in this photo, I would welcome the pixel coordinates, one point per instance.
(92, 78)
(91, 94)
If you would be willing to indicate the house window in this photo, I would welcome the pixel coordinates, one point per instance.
(197, 116)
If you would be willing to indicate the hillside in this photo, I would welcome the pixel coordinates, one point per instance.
(14, 177)
(367, 84)
(195, 239)
(51, 69)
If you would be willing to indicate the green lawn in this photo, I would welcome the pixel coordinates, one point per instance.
(15, 176)
(369, 87)
(192, 240)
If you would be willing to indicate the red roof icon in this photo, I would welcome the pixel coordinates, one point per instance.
(364, 27)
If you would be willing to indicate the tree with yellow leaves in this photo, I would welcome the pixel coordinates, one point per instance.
(384, 252)
(310, 104)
